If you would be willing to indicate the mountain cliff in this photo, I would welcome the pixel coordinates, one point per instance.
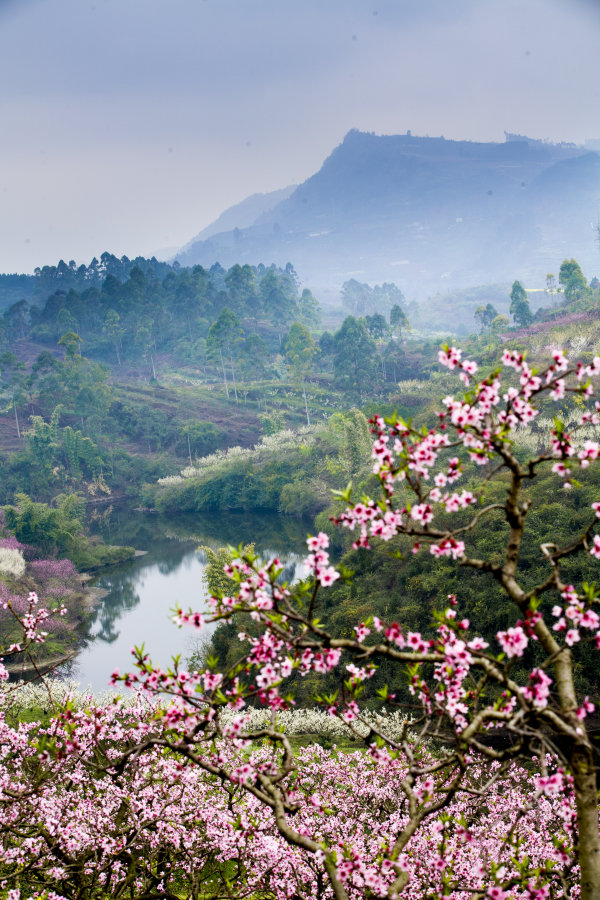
(427, 213)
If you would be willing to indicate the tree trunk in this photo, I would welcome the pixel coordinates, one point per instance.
(224, 373)
(16, 416)
(586, 797)
(305, 403)
(233, 379)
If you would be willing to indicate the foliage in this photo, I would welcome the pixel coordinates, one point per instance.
(354, 361)
(299, 348)
(200, 438)
(360, 299)
(573, 280)
(57, 531)
(289, 471)
(519, 305)
(398, 319)
(485, 315)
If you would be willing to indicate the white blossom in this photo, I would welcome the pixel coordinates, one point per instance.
(12, 562)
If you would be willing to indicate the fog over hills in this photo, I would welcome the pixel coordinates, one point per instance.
(242, 214)
(427, 213)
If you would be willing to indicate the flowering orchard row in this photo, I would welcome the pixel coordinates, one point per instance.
(82, 821)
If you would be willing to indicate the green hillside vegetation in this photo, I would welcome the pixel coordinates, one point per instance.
(292, 472)
(414, 587)
(129, 368)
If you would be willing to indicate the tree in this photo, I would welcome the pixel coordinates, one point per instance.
(241, 284)
(254, 355)
(51, 530)
(222, 338)
(573, 280)
(278, 298)
(299, 349)
(17, 319)
(72, 344)
(398, 320)
(355, 356)
(499, 324)
(377, 326)
(356, 297)
(326, 343)
(552, 287)
(200, 438)
(485, 315)
(65, 322)
(144, 338)
(519, 305)
(113, 328)
(386, 296)
(309, 311)
(13, 374)
(463, 688)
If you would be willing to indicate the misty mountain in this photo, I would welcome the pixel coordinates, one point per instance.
(427, 213)
(241, 215)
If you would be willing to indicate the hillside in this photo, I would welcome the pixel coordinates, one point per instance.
(241, 215)
(427, 213)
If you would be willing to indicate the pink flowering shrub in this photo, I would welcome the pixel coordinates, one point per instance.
(56, 578)
(46, 569)
(11, 543)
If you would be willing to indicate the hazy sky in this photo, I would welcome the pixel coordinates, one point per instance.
(129, 125)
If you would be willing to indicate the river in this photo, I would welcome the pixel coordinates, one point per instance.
(141, 593)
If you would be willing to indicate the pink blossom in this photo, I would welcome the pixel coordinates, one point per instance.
(585, 709)
(422, 512)
(319, 542)
(513, 641)
(538, 689)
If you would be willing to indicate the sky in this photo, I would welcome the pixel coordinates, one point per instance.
(129, 125)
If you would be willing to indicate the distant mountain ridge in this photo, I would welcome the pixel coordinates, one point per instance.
(242, 214)
(427, 213)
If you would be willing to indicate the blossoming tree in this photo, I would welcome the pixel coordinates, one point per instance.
(488, 790)
(477, 717)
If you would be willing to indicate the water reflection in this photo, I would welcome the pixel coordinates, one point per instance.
(140, 594)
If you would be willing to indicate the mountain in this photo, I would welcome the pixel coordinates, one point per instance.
(428, 213)
(241, 215)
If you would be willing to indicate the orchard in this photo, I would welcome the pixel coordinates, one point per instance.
(487, 787)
